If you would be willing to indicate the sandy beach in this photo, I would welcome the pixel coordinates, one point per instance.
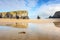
(42, 29)
(30, 20)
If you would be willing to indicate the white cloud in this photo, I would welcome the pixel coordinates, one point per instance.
(11, 5)
(17, 4)
(32, 3)
(48, 9)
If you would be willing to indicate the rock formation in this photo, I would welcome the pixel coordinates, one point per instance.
(56, 15)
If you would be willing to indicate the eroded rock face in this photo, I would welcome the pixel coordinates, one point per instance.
(56, 15)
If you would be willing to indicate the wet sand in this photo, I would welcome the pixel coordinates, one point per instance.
(29, 20)
(33, 31)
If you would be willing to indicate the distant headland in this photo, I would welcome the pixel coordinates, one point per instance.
(22, 14)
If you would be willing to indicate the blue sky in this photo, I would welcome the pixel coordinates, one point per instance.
(43, 8)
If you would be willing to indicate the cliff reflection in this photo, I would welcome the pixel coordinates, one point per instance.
(57, 24)
(16, 25)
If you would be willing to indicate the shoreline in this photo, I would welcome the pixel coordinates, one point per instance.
(29, 20)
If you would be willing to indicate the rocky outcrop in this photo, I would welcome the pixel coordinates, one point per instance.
(0, 15)
(38, 17)
(56, 15)
(8, 15)
(24, 17)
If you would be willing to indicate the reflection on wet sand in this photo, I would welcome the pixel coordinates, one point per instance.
(16, 31)
(57, 24)
(29, 31)
(17, 25)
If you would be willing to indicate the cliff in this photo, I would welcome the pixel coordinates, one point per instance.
(56, 15)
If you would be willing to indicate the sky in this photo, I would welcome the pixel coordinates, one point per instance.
(43, 8)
